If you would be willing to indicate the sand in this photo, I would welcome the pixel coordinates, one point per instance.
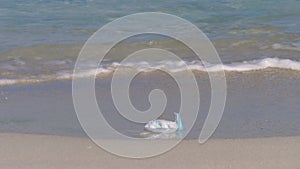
(53, 152)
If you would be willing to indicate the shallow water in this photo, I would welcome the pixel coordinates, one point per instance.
(60, 22)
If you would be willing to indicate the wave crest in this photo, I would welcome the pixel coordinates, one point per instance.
(109, 68)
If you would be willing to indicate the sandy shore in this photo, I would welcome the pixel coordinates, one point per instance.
(47, 152)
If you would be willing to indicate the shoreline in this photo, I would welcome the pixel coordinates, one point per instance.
(44, 151)
(258, 105)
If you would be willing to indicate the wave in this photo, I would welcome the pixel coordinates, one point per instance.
(107, 69)
(293, 47)
(199, 66)
(258, 64)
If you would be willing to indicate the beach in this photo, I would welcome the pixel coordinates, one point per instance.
(47, 47)
(259, 128)
(42, 151)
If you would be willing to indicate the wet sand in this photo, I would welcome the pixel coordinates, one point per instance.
(259, 128)
(259, 104)
(42, 151)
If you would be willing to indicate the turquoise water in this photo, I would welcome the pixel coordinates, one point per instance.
(28, 23)
(42, 39)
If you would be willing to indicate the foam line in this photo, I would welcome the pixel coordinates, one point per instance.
(165, 65)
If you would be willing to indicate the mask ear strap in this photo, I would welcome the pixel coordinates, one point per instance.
(179, 122)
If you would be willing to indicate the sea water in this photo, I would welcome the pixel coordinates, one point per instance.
(257, 41)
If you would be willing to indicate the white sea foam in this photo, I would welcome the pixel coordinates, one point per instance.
(165, 65)
(293, 47)
(259, 64)
(6, 82)
(197, 65)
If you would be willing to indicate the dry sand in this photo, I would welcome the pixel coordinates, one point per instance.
(47, 152)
